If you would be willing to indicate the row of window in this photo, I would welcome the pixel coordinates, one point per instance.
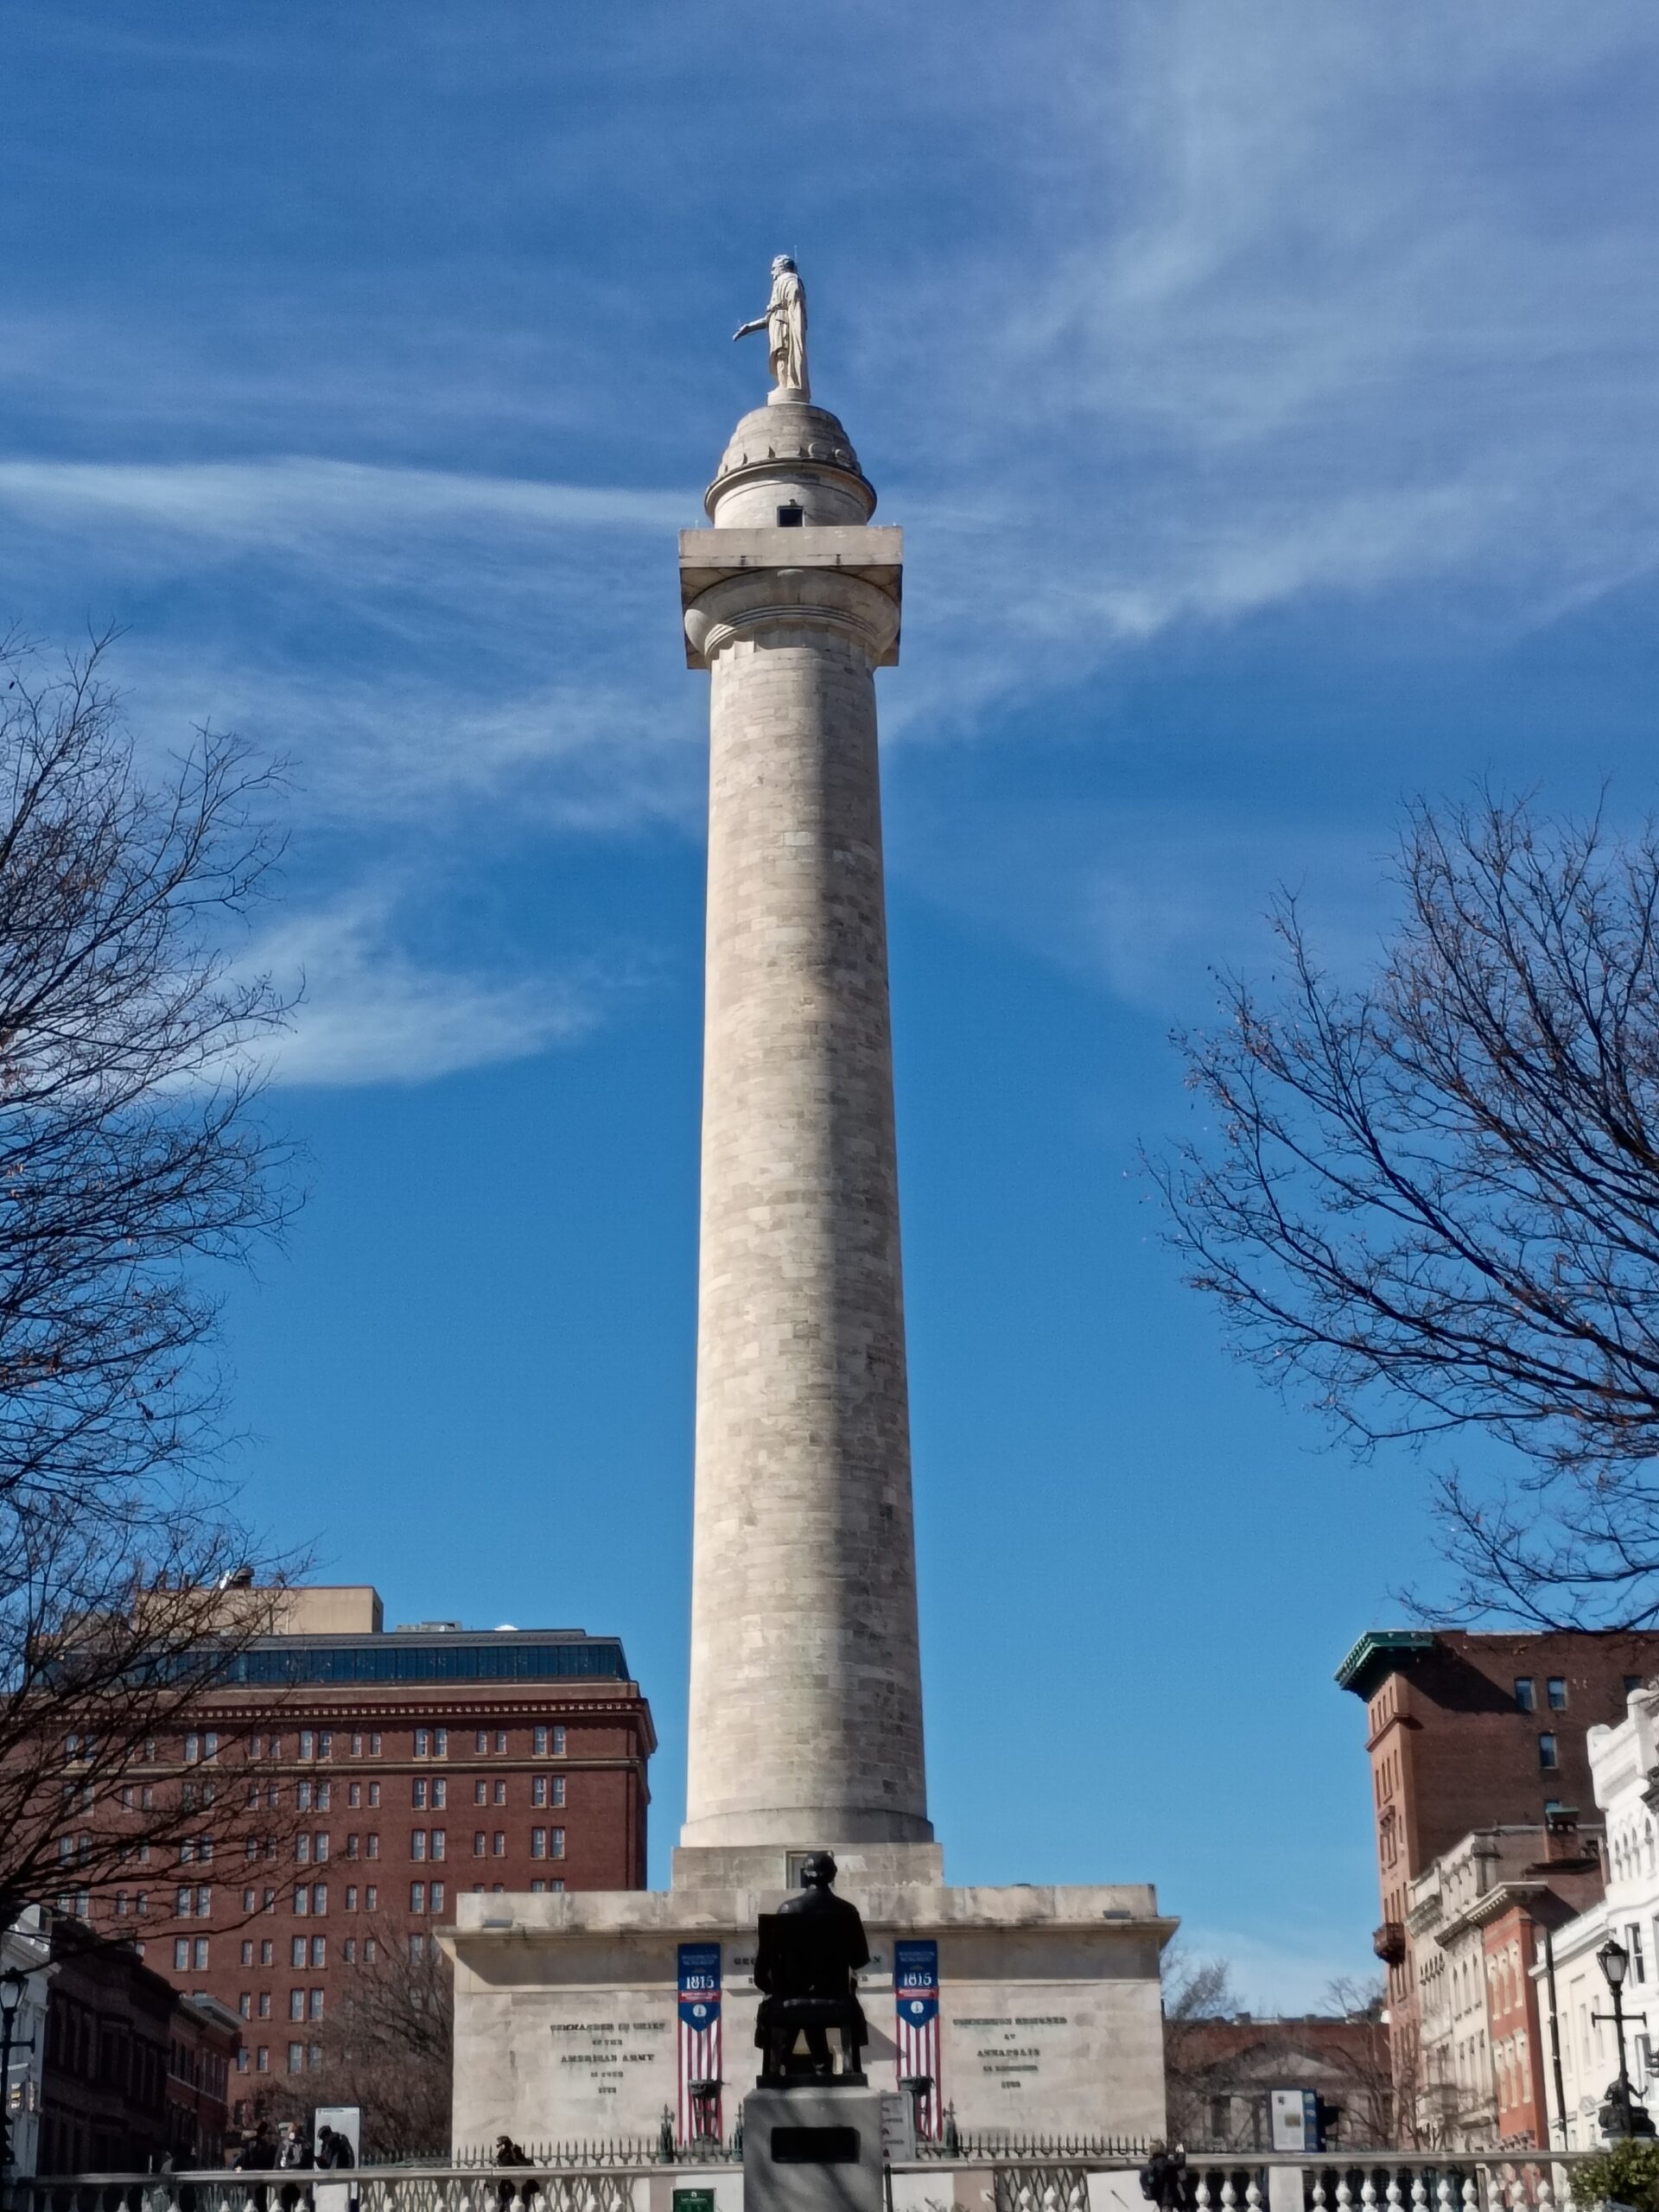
(201, 1747)
(303, 2058)
(432, 1792)
(1526, 1691)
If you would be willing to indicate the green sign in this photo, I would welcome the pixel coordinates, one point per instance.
(693, 2200)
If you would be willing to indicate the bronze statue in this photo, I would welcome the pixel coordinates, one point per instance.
(806, 1964)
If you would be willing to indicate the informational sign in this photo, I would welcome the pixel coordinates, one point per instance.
(699, 2007)
(1294, 2116)
(916, 2037)
(347, 2121)
(898, 2126)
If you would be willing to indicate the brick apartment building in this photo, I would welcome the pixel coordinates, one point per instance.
(1468, 1733)
(400, 1768)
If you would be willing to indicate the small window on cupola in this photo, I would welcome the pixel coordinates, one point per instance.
(792, 516)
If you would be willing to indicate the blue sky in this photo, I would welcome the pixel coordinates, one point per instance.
(1269, 397)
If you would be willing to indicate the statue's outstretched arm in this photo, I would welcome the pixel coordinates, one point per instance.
(743, 329)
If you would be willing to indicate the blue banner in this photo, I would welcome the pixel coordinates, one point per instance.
(699, 1984)
(916, 1982)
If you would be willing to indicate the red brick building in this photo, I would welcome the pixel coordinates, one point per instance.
(1468, 1731)
(399, 1767)
(132, 2072)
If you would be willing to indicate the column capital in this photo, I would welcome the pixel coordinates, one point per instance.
(738, 583)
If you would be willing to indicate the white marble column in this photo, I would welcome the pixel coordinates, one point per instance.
(806, 1721)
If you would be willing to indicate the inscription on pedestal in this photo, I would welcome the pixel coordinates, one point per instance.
(602, 2053)
(1012, 2055)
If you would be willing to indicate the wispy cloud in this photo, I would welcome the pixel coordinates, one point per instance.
(369, 1011)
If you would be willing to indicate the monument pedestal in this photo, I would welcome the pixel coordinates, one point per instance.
(566, 2019)
(812, 2149)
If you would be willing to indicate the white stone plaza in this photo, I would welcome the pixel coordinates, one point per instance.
(1023, 2010)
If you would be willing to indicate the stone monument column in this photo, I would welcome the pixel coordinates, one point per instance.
(806, 1711)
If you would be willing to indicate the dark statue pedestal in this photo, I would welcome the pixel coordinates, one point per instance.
(816, 2147)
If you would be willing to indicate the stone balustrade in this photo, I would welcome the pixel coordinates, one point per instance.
(975, 2176)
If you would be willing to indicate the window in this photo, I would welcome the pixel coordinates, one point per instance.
(417, 1897)
(370, 1901)
(356, 1747)
(247, 1955)
(242, 2061)
(538, 1843)
(325, 1745)
(1523, 1697)
(501, 1742)
(267, 1952)
(435, 1896)
(192, 1749)
(319, 1899)
(499, 1793)
(302, 1796)
(314, 2009)
(371, 1845)
(374, 1748)
(296, 2004)
(303, 1900)
(791, 515)
(417, 1946)
(307, 1743)
(302, 1847)
(348, 1950)
(559, 1743)
(250, 1900)
(417, 1843)
(480, 1843)
(439, 1838)
(181, 1953)
(298, 1958)
(417, 1792)
(1555, 1690)
(265, 2004)
(1546, 1752)
(480, 1793)
(319, 1848)
(556, 1843)
(440, 1790)
(270, 1904)
(1633, 1944)
(199, 1953)
(374, 1788)
(481, 1743)
(538, 1743)
(262, 2059)
(354, 1795)
(369, 1952)
(536, 1888)
(547, 1789)
(353, 1846)
(498, 1844)
(296, 2058)
(422, 1744)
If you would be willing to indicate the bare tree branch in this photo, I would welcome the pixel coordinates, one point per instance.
(1435, 1201)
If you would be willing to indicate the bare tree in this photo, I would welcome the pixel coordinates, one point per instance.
(129, 1159)
(390, 2048)
(1435, 1199)
(1197, 1992)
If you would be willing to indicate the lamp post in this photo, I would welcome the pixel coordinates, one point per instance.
(14, 1985)
(1618, 2114)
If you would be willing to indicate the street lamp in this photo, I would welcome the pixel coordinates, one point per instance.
(1619, 2114)
(14, 1987)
